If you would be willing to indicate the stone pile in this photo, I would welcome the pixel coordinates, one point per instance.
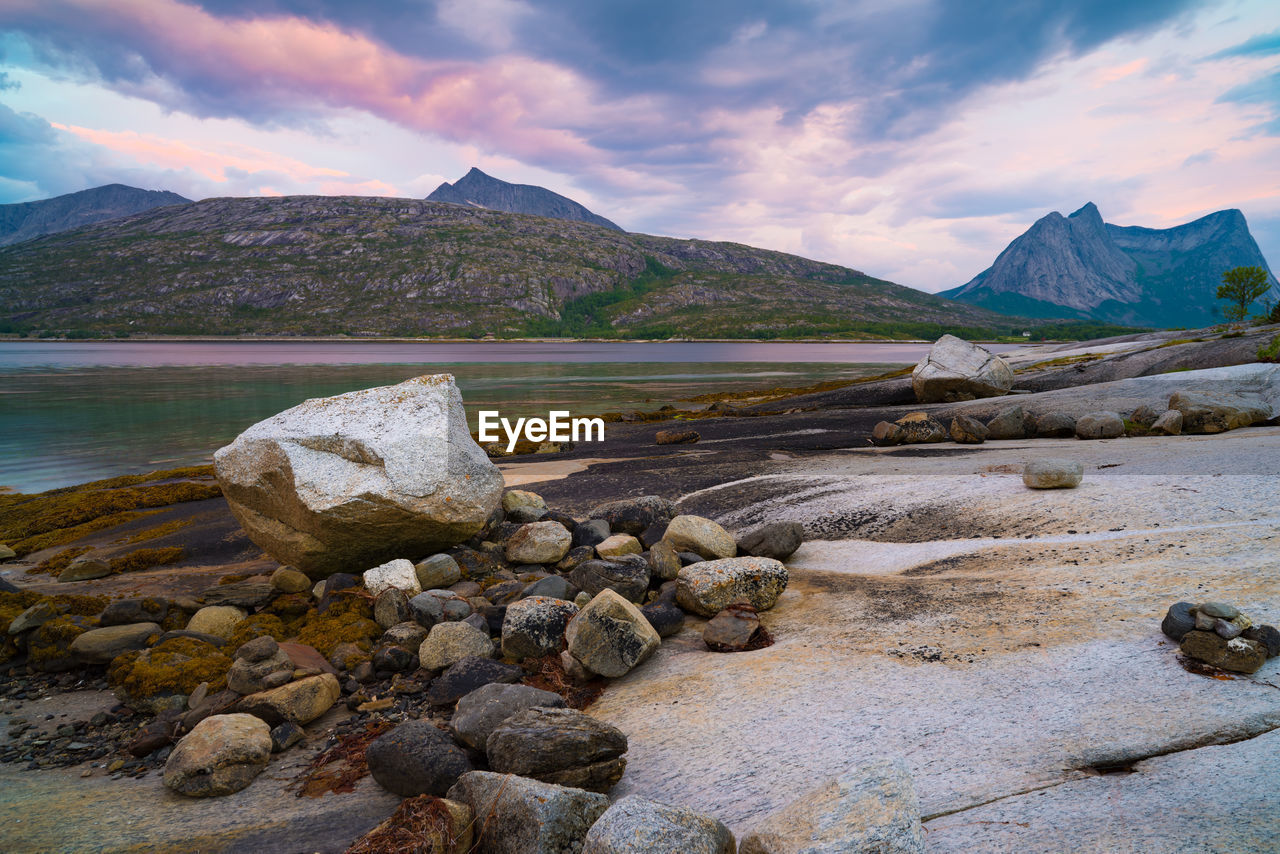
(1186, 413)
(1219, 635)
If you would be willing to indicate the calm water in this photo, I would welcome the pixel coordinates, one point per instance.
(77, 411)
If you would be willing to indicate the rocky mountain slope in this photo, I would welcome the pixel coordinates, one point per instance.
(484, 191)
(34, 219)
(1081, 267)
(378, 266)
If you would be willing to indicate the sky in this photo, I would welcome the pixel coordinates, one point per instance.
(909, 139)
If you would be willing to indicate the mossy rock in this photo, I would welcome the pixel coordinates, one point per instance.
(259, 625)
(49, 647)
(324, 632)
(162, 677)
(80, 605)
(13, 604)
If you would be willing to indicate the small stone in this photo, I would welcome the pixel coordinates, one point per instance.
(618, 545)
(664, 560)
(398, 573)
(1168, 424)
(701, 536)
(376, 705)
(286, 579)
(1228, 629)
(535, 627)
(1099, 425)
(538, 542)
(610, 636)
(391, 607)
(99, 646)
(558, 745)
(154, 735)
(1055, 425)
(1178, 621)
(437, 572)
(666, 619)
(967, 431)
(709, 587)
(777, 540)
(634, 824)
(286, 735)
(218, 620)
(886, 434)
(34, 617)
(522, 506)
(301, 702)
(1052, 474)
(527, 816)
(1239, 655)
(1145, 415)
(553, 585)
(1012, 422)
(482, 710)
(921, 428)
(1267, 636)
(449, 643)
(732, 629)
(1219, 609)
(590, 532)
(676, 437)
(85, 569)
(258, 649)
(468, 675)
(628, 576)
(221, 755)
(394, 659)
(633, 515)
(416, 758)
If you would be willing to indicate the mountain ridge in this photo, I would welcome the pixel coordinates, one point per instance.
(1081, 267)
(29, 220)
(478, 189)
(371, 266)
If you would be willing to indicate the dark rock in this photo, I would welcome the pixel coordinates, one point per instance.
(535, 627)
(967, 431)
(1219, 609)
(468, 675)
(186, 633)
(664, 561)
(1145, 415)
(334, 584)
(395, 659)
(416, 758)
(633, 515)
(665, 617)
(653, 534)
(886, 434)
(392, 608)
(258, 649)
(687, 558)
(732, 630)
(1055, 425)
(1178, 621)
(1267, 636)
(124, 611)
(546, 743)
(485, 708)
(1011, 423)
(505, 592)
(777, 540)
(628, 576)
(475, 564)
(286, 735)
(591, 532)
(154, 735)
(921, 428)
(569, 523)
(553, 586)
(575, 558)
(1238, 655)
(478, 621)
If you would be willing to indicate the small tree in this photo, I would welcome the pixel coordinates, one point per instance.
(1240, 287)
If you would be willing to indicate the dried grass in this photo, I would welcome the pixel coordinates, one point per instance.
(348, 760)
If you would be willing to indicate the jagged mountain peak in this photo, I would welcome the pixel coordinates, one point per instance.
(1082, 267)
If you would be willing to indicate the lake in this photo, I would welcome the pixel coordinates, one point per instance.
(74, 411)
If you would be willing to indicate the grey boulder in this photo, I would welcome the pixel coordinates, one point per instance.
(479, 713)
(956, 370)
(634, 825)
(527, 816)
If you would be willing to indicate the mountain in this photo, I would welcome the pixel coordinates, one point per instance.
(1081, 267)
(35, 219)
(326, 265)
(484, 191)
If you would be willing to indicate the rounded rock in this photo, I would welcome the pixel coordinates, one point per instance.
(221, 755)
(1052, 474)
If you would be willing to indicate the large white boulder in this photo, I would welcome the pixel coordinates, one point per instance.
(338, 484)
(956, 370)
